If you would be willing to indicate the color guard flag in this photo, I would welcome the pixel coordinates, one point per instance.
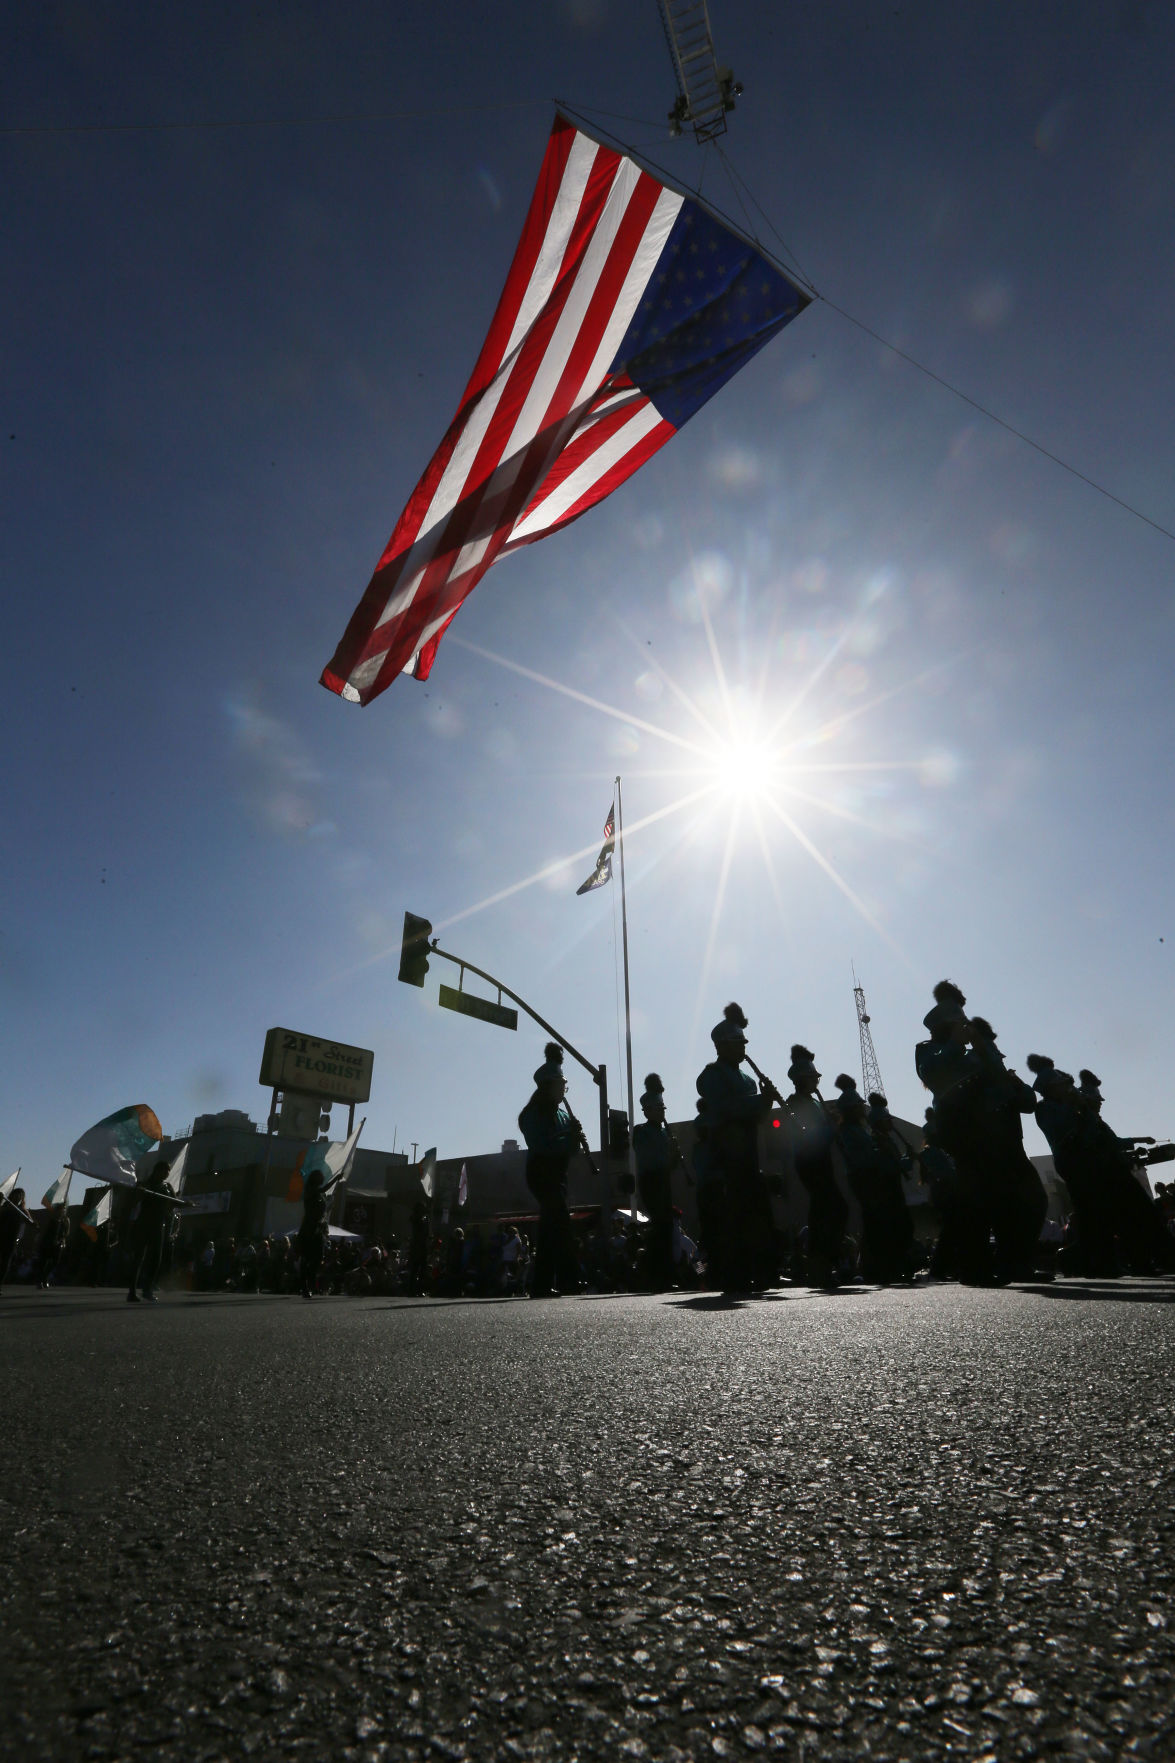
(333, 1159)
(179, 1170)
(9, 1182)
(108, 1152)
(56, 1195)
(339, 1155)
(97, 1216)
(463, 1186)
(626, 307)
(603, 871)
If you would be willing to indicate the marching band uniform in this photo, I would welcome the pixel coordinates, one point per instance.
(813, 1130)
(552, 1137)
(657, 1156)
(734, 1107)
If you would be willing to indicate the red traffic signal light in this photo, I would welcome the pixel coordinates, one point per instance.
(414, 949)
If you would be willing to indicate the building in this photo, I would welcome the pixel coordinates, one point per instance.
(238, 1181)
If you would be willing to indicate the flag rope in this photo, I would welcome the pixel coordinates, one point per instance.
(792, 269)
(800, 275)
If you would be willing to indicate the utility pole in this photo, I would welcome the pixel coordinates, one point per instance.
(870, 1071)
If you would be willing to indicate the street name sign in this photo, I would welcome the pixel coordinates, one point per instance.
(483, 1008)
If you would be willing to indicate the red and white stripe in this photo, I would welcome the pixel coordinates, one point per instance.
(543, 431)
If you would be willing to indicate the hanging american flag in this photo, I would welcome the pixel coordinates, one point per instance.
(627, 306)
(603, 871)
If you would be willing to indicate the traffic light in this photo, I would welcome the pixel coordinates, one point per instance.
(617, 1132)
(414, 949)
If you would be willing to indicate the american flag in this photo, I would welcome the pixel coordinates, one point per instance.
(603, 871)
(627, 306)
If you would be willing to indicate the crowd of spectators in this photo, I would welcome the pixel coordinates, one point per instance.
(475, 1260)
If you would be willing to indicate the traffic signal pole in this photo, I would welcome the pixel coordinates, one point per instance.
(598, 1073)
(416, 950)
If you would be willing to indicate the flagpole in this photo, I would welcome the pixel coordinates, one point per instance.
(624, 940)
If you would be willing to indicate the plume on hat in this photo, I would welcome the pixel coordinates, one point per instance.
(850, 1100)
(803, 1061)
(552, 1066)
(1089, 1081)
(877, 1100)
(654, 1092)
(733, 1026)
(1040, 1063)
(947, 992)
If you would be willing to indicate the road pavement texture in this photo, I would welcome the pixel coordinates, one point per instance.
(895, 1524)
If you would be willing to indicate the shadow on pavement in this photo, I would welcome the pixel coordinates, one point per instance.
(113, 1298)
(1095, 1291)
(414, 1303)
(711, 1301)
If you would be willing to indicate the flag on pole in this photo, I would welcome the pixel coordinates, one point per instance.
(428, 1171)
(56, 1194)
(9, 1182)
(626, 307)
(97, 1216)
(179, 1170)
(603, 871)
(108, 1152)
(463, 1186)
(304, 1164)
(340, 1153)
(333, 1159)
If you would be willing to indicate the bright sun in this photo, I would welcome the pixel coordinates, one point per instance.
(744, 768)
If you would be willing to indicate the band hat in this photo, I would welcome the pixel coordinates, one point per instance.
(803, 1063)
(943, 1016)
(733, 1026)
(1042, 1068)
(653, 1095)
(850, 1101)
(552, 1066)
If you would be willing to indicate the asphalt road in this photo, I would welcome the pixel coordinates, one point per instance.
(897, 1524)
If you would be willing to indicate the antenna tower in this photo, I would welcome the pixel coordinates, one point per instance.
(870, 1070)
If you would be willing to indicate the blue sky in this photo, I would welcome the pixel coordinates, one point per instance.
(231, 352)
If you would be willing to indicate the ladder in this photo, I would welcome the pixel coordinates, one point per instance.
(706, 90)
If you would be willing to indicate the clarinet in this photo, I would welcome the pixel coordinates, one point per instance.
(587, 1150)
(765, 1082)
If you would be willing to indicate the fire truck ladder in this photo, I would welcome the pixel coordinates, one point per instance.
(705, 91)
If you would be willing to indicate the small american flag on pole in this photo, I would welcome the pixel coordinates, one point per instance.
(603, 871)
(627, 306)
